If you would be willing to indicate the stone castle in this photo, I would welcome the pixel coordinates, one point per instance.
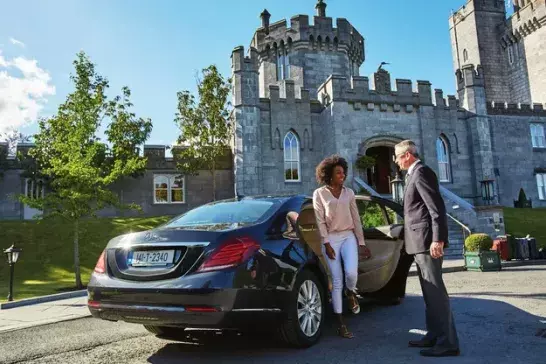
(298, 97)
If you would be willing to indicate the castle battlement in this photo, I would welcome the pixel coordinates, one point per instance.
(286, 92)
(241, 62)
(470, 76)
(502, 108)
(528, 17)
(322, 35)
(358, 92)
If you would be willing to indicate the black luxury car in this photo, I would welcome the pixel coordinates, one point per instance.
(244, 263)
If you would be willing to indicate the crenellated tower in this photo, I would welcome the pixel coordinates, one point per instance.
(307, 54)
(475, 32)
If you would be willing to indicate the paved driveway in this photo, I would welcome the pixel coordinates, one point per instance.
(497, 314)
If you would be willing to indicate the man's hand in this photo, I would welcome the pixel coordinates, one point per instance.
(330, 251)
(364, 252)
(437, 249)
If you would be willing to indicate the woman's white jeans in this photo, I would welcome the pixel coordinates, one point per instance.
(345, 246)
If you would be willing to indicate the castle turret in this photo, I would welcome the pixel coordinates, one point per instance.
(307, 54)
(475, 33)
(246, 118)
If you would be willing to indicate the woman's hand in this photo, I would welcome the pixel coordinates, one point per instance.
(364, 252)
(330, 251)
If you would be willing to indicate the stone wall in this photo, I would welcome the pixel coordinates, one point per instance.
(516, 160)
(140, 190)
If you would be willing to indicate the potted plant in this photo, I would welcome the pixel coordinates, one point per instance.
(478, 255)
(364, 162)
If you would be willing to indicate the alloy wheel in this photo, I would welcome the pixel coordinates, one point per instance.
(309, 308)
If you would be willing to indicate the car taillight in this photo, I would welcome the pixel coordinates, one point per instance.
(230, 254)
(100, 268)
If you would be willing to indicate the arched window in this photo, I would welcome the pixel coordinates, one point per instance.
(291, 158)
(169, 189)
(283, 63)
(442, 153)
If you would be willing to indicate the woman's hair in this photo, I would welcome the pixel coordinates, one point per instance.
(325, 169)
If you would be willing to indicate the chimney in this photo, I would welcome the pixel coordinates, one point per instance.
(321, 8)
(265, 20)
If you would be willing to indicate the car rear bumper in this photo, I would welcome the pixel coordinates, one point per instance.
(198, 308)
(180, 316)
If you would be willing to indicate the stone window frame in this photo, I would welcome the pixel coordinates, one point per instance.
(170, 177)
(510, 55)
(282, 63)
(34, 192)
(290, 159)
(538, 137)
(541, 186)
(444, 173)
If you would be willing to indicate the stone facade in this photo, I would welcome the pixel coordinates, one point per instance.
(331, 109)
(197, 190)
(512, 52)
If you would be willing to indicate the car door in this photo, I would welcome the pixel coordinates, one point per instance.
(383, 232)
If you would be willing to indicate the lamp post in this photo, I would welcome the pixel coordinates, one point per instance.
(12, 254)
(397, 188)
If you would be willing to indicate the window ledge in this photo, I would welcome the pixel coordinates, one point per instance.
(292, 182)
(168, 203)
(539, 149)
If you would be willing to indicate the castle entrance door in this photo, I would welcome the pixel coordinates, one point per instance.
(384, 170)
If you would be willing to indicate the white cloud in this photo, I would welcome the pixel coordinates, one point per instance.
(17, 42)
(22, 97)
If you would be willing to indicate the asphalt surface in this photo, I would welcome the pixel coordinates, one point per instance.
(498, 316)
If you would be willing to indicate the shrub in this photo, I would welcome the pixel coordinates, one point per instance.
(478, 242)
(364, 162)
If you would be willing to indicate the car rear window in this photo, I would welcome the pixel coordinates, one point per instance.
(244, 212)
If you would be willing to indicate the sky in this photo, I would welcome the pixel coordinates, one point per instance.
(157, 47)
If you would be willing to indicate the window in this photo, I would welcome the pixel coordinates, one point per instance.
(510, 55)
(541, 185)
(221, 215)
(169, 189)
(291, 158)
(34, 188)
(283, 64)
(443, 160)
(537, 136)
(465, 55)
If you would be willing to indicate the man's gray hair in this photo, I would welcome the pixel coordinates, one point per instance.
(407, 146)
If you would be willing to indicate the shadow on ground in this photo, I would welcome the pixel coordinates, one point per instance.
(490, 332)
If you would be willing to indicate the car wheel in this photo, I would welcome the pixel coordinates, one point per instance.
(165, 331)
(305, 312)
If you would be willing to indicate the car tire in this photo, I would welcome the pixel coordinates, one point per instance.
(165, 331)
(291, 331)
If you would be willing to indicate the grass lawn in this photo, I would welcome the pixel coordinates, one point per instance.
(46, 264)
(520, 222)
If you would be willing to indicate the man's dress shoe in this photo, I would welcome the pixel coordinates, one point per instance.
(423, 343)
(440, 352)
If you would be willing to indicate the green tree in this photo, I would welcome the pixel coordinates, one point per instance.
(205, 131)
(78, 166)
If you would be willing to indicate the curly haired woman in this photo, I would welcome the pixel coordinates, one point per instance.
(341, 232)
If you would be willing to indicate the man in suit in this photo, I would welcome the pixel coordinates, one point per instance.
(426, 236)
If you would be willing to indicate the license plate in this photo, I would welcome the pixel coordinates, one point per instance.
(152, 258)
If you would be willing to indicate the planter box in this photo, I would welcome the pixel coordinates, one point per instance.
(484, 261)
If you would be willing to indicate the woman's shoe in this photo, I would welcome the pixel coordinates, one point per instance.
(344, 333)
(354, 305)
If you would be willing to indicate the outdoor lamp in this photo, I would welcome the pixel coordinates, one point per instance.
(397, 188)
(12, 254)
(487, 190)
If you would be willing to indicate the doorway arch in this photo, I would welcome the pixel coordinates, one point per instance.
(381, 148)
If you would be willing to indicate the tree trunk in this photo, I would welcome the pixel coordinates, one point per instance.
(213, 181)
(79, 284)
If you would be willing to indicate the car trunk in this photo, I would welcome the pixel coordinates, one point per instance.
(160, 254)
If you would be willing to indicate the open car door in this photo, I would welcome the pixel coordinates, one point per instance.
(383, 231)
